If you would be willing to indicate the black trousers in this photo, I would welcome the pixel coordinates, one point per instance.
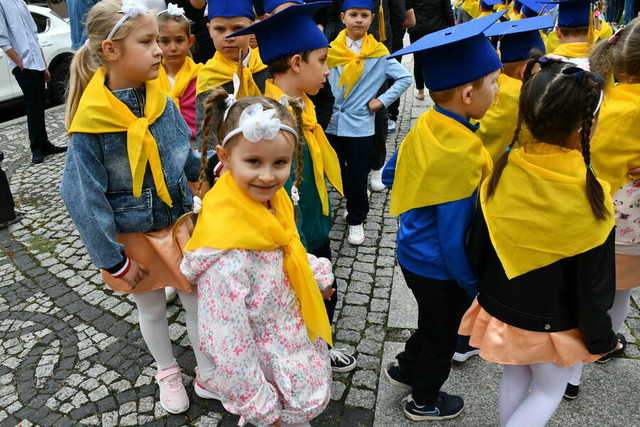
(426, 358)
(378, 154)
(353, 154)
(7, 212)
(33, 86)
(397, 44)
(325, 252)
(417, 61)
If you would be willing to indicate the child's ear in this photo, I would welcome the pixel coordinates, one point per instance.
(223, 156)
(110, 50)
(342, 17)
(192, 40)
(466, 94)
(295, 63)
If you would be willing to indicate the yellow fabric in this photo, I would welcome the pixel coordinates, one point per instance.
(472, 7)
(182, 79)
(604, 32)
(615, 147)
(254, 227)
(219, 71)
(324, 158)
(573, 50)
(552, 41)
(440, 160)
(382, 29)
(540, 213)
(501, 7)
(499, 123)
(340, 54)
(101, 112)
(485, 13)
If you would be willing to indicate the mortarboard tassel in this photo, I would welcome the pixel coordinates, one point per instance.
(382, 31)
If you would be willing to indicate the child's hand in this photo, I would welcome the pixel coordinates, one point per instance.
(375, 105)
(135, 275)
(328, 293)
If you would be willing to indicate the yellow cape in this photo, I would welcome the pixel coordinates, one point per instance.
(440, 160)
(101, 112)
(573, 50)
(183, 78)
(540, 213)
(324, 158)
(499, 123)
(219, 71)
(340, 54)
(472, 7)
(615, 147)
(227, 207)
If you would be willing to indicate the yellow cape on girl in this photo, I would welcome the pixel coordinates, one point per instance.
(340, 54)
(230, 219)
(183, 78)
(573, 50)
(539, 213)
(440, 161)
(99, 111)
(219, 71)
(615, 147)
(324, 157)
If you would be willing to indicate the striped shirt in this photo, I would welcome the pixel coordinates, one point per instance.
(18, 31)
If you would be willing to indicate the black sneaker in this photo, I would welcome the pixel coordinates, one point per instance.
(445, 407)
(464, 351)
(571, 392)
(49, 148)
(607, 357)
(394, 377)
(341, 361)
(37, 157)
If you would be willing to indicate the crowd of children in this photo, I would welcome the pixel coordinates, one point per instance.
(518, 208)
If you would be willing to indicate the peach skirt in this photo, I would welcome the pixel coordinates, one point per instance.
(502, 343)
(158, 253)
(627, 271)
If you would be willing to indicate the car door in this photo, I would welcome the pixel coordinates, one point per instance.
(43, 24)
(9, 88)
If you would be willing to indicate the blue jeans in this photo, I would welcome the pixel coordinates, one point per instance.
(78, 10)
(630, 10)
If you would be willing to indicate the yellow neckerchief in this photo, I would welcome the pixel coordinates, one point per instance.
(573, 50)
(100, 111)
(440, 160)
(499, 123)
(501, 7)
(472, 7)
(324, 158)
(552, 41)
(604, 32)
(219, 71)
(340, 54)
(540, 213)
(227, 207)
(484, 13)
(615, 147)
(183, 78)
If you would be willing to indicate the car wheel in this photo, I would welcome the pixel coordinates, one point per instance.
(59, 83)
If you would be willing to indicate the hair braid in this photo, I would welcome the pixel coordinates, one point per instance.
(297, 105)
(214, 106)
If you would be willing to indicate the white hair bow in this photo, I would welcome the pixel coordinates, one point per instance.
(130, 9)
(173, 10)
(257, 124)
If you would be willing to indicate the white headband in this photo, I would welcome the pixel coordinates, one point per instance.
(130, 9)
(174, 10)
(257, 124)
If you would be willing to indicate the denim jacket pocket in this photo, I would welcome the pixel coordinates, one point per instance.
(131, 214)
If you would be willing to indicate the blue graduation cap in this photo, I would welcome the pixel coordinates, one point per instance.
(230, 9)
(573, 13)
(358, 4)
(270, 5)
(519, 37)
(288, 32)
(488, 4)
(517, 5)
(456, 55)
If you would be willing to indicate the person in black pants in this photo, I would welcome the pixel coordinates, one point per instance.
(7, 213)
(194, 10)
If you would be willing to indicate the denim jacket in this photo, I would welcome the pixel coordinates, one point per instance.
(97, 184)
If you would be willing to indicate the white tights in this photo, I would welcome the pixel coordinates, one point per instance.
(530, 394)
(152, 314)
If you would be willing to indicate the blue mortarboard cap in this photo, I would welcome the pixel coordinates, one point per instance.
(288, 32)
(230, 9)
(456, 55)
(532, 8)
(358, 4)
(573, 13)
(270, 5)
(520, 37)
(488, 4)
(517, 5)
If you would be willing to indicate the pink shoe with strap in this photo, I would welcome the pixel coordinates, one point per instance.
(173, 396)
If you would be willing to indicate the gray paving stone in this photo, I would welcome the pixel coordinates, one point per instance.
(403, 310)
(360, 398)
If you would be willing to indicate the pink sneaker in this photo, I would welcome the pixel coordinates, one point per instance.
(201, 389)
(173, 396)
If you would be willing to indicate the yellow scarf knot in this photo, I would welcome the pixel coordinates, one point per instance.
(183, 78)
(219, 71)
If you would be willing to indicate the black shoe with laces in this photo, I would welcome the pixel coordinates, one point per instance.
(607, 357)
(394, 376)
(49, 148)
(445, 407)
(571, 392)
(341, 361)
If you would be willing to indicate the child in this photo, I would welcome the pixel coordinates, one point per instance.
(517, 42)
(125, 178)
(615, 150)
(574, 31)
(546, 282)
(296, 51)
(261, 315)
(359, 68)
(435, 199)
(178, 72)
(233, 56)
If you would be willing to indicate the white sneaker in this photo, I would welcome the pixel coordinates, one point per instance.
(391, 126)
(170, 294)
(375, 181)
(356, 234)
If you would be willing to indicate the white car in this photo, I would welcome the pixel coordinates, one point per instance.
(54, 34)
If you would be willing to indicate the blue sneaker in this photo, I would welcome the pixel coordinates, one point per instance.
(445, 407)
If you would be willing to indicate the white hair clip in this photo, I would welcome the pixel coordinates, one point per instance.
(173, 10)
(257, 124)
(130, 9)
(295, 195)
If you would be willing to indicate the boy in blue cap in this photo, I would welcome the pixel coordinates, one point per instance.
(574, 30)
(359, 68)
(434, 179)
(296, 51)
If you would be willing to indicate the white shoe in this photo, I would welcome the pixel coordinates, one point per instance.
(391, 126)
(356, 234)
(375, 181)
(170, 294)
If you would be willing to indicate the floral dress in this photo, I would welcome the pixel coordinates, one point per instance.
(250, 326)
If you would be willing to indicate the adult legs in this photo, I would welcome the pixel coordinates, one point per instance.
(33, 87)
(417, 62)
(514, 386)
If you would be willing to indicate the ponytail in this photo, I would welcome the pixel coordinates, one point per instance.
(601, 59)
(80, 73)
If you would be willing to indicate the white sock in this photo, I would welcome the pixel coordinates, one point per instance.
(619, 309)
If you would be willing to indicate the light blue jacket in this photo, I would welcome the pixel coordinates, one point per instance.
(351, 116)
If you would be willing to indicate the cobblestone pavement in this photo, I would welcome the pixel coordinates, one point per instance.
(71, 351)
